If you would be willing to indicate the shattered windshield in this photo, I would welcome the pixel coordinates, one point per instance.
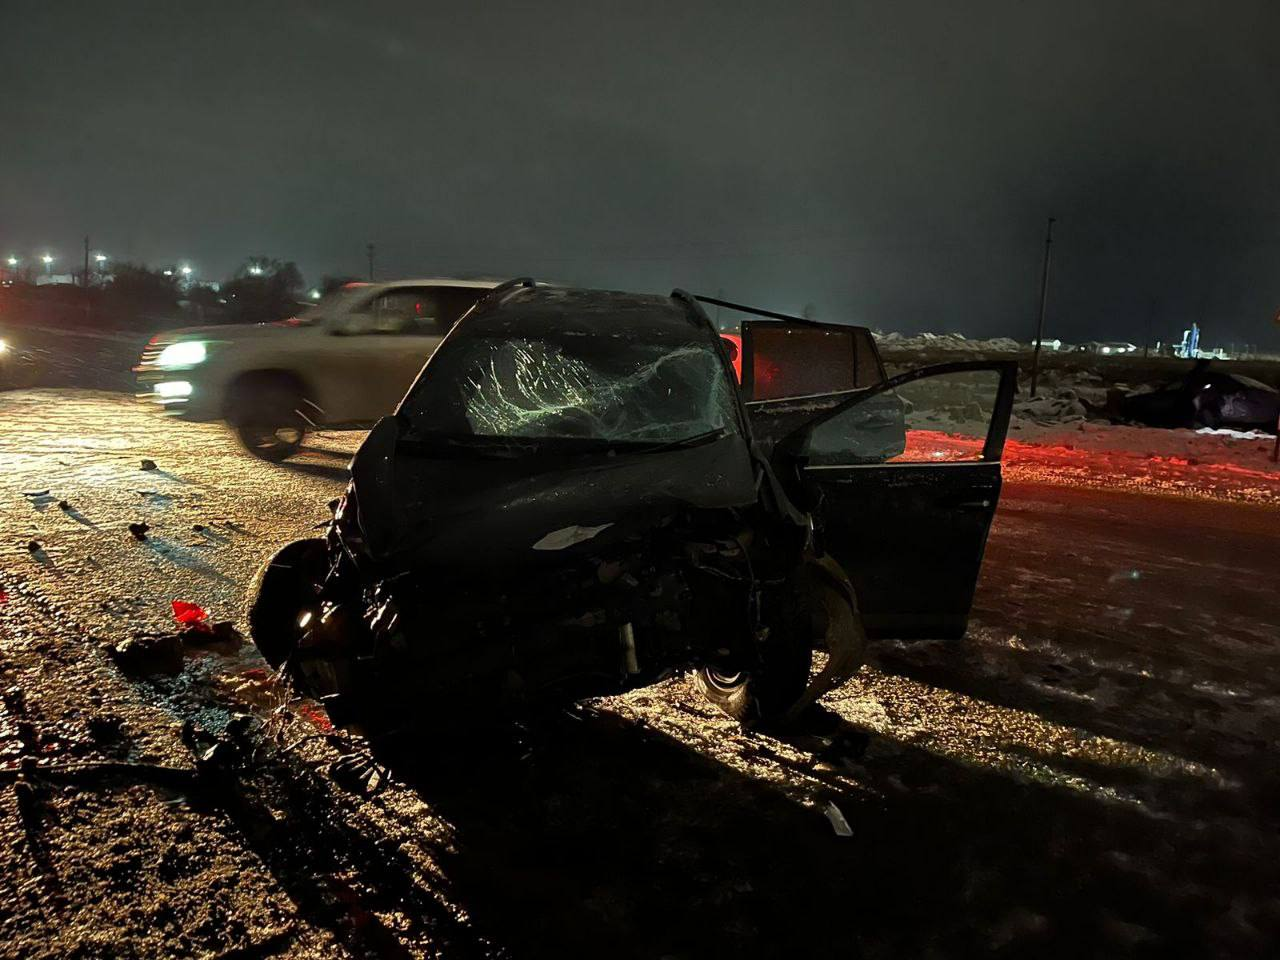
(574, 386)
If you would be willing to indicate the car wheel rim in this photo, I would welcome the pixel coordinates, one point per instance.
(723, 681)
(273, 438)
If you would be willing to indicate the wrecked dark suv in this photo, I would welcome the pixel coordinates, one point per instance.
(576, 497)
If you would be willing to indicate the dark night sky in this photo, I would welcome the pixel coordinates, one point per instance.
(889, 163)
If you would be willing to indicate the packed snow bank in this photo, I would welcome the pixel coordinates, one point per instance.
(946, 343)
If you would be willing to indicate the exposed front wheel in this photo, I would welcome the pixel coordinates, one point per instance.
(273, 443)
(762, 692)
(283, 590)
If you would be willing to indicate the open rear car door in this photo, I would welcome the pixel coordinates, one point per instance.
(902, 475)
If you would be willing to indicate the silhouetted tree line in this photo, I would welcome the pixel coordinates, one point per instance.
(139, 297)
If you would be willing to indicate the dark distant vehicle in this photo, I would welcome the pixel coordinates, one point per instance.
(577, 497)
(1205, 397)
(342, 363)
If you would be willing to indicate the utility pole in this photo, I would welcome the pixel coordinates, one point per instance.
(369, 250)
(88, 307)
(1152, 308)
(1044, 297)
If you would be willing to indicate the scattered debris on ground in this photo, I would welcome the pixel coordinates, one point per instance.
(149, 654)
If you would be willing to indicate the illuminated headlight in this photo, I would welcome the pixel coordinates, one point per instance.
(185, 354)
(172, 389)
(1106, 349)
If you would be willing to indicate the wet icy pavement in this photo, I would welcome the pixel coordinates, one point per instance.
(1093, 765)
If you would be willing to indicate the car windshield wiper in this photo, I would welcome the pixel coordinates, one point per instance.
(478, 446)
(513, 447)
(697, 440)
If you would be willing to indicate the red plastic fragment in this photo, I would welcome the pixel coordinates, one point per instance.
(190, 615)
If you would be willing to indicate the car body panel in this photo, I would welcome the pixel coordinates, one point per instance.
(909, 531)
(351, 371)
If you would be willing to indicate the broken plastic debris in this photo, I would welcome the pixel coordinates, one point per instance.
(838, 823)
(203, 634)
(148, 654)
(568, 536)
(190, 614)
(148, 465)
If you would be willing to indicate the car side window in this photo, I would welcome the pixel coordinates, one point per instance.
(406, 311)
(944, 418)
(798, 360)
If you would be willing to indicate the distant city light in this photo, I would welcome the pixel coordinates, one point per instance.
(168, 273)
(13, 261)
(100, 257)
(186, 270)
(315, 294)
(255, 270)
(46, 259)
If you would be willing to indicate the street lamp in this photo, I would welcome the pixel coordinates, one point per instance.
(255, 270)
(13, 261)
(47, 260)
(186, 270)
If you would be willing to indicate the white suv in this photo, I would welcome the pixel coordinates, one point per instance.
(342, 363)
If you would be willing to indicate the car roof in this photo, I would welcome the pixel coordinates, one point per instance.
(425, 282)
(579, 310)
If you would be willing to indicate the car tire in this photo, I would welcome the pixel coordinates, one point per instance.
(281, 591)
(266, 414)
(762, 695)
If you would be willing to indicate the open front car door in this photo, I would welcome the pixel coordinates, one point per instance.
(902, 479)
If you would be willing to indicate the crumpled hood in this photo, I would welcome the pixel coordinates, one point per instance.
(500, 512)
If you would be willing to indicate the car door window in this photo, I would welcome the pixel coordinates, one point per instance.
(788, 360)
(407, 311)
(944, 418)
